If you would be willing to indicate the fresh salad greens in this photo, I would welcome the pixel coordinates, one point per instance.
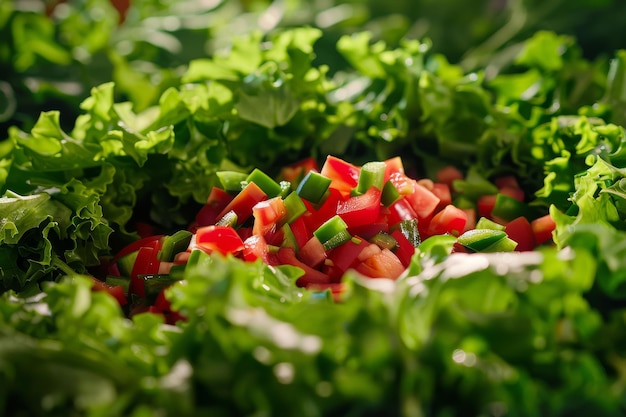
(137, 135)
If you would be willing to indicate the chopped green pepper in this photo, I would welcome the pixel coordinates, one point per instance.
(313, 187)
(333, 232)
(265, 183)
(372, 175)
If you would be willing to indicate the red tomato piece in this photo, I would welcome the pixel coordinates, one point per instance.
(344, 175)
(442, 191)
(243, 202)
(300, 231)
(162, 303)
(423, 201)
(362, 209)
(516, 193)
(405, 249)
(296, 171)
(542, 228)
(117, 291)
(149, 242)
(392, 165)
(345, 255)
(471, 219)
(255, 247)
(312, 253)
(449, 174)
(368, 231)
(450, 220)
(216, 202)
(401, 210)
(146, 263)
(287, 256)
(381, 264)
(520, 231)
(222, 239)
(485, 205)
(267, 214)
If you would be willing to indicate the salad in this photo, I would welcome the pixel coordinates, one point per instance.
(308, 219)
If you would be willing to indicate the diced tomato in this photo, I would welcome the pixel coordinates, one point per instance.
(485, 205)
(312, 252)
(344, 255)
(267, 214)
(471, 219)
(516, 193)
(117, 291)
(450, 220)
(362, 209)
(148, 241)
(243, 202)
(542, 228)
(449, 174)
(300, 231)
(382, 263)
(520, 231)
(442, 191)
(402, 182)
(296, 171)
(392, 165)
(221, 239)
(162, 303)
(401, 210)
(146, 263)
(423, 201)
(405, 249)
(344, 175)
(255, 247)
(506, 181)
(216, 202)
(287, 256)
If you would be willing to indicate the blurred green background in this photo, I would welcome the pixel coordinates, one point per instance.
(53, 51)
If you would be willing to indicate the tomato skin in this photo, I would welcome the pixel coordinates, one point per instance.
(312, 253)
(360, 210)
(448, 174)
(401, 210)
(296, 171)
(381, 263)
(287, 256)
(520, 230)
(423, 201)
(222, 239)
(314, 218)
(345, 255)
(116, 291)
(153, 241)
(300, 231)
(267, 214)
(344, 175)
(145, 264)
(216, 202)
(542, 228)
(450, 220)
(243, 202)
(485, 205)
(405, 249)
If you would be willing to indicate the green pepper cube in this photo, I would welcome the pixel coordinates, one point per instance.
(231, 181)
(173, 244)
(372, 175)
(313, 187)
(390, 194)
(295, 207)
(485, 223)
(508, 208)
(410, 230)
(333, 232)
(265, 183)
(478, 240)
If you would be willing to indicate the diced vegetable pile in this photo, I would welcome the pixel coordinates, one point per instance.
(368, 218)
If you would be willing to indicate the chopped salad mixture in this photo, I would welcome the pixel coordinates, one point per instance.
(311, 209)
